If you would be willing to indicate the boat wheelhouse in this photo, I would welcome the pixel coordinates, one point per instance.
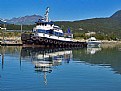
(47, 29)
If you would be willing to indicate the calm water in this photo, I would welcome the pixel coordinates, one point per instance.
(36, 69)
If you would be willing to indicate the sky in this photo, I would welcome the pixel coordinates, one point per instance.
(64, 10)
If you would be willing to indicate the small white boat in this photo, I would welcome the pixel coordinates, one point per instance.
(93, 42)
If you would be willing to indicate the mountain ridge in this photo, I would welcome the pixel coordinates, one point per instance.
(116, 14)
(25, 20)
(31, 19)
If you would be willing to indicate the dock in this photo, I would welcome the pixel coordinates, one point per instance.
(10, 43)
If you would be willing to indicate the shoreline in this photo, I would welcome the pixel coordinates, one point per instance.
(110, 44)
(17, 40)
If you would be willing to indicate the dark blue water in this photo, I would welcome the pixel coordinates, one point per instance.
(37, 69)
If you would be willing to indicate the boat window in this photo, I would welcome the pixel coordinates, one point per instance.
(47, 31)
(38, 23)
(40, 31)
(51, 31)
(56, 33)
(42, 24)
(61, 34)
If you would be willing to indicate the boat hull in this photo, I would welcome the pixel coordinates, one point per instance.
(94, 43)
(30, 40)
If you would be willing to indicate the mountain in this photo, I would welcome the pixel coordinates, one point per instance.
(26, 20)
(110, 24)
(1, 22)
(116, 15)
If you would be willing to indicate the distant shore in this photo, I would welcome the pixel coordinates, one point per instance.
(110, 44)
(106, 41)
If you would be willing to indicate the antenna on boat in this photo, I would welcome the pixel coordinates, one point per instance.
(47, 15)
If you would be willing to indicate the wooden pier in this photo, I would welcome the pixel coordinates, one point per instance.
(10, 43)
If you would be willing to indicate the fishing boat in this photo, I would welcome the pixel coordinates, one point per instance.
(46, 33)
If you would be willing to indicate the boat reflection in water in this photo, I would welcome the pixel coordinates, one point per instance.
(93, 49)
(45, 59)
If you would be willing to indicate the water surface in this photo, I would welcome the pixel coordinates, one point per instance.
(38, 69)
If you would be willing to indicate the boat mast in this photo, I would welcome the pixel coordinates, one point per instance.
(47, 15)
